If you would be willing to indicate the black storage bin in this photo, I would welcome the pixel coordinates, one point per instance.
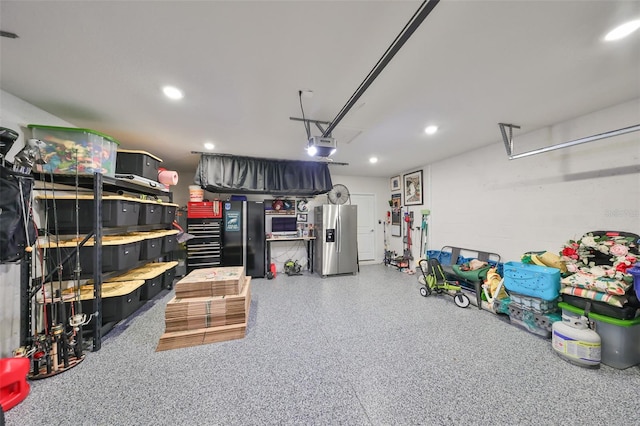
(151, 248)
(152, 275)
(169, 213)
(118, 307)
(169, 243)
(168, 276)
(137, 163)
(151, 287)
(116, 256)
(150, 213)
(601, 308)
(116, 212)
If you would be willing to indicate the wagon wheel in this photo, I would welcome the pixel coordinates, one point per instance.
(461, 300)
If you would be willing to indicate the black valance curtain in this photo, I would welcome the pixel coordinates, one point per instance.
(248, 175)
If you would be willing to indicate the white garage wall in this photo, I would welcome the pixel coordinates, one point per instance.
(485, 201)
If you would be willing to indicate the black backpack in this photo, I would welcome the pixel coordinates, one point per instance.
(15, 201)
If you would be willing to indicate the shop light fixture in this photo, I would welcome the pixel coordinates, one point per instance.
(172, 92)
(623, 30)
(373, 160)
(209, 145)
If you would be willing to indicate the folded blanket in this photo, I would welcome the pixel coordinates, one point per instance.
(464, 272)
(611, 299)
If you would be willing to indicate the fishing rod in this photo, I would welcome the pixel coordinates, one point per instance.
(77, 318)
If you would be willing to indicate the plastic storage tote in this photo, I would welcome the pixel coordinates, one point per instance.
(139, 163)
(169, 213)
(532, 280)
(152, 275)
(169, 241)
(151, 246)
(118, 253)
(119, 300)
(69, 148)
(150, 213)
(620, 338)
(624, 313)
(169, 275)
(117, 211)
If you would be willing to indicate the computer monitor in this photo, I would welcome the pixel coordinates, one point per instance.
(284, 225)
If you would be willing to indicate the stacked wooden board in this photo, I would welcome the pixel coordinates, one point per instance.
(211, 305)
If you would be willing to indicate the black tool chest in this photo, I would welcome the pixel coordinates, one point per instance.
(205, 249)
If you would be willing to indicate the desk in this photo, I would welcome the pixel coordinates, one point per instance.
(310, 249)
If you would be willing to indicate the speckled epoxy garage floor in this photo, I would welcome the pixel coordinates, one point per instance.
(348, 350)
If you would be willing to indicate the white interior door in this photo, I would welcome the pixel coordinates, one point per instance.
(366, 225)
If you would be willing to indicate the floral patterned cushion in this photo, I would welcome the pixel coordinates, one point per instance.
(600, 282)
(603, 253)
(597, 266)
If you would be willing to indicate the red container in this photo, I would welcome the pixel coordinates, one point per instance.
(13, 381)
(204, 209)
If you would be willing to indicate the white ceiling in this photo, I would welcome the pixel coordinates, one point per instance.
(469, 66)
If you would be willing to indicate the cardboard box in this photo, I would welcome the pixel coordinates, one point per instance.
(208, 282)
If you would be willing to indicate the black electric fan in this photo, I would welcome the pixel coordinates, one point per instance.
(339, 194)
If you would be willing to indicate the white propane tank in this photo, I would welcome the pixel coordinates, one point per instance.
(574, 341)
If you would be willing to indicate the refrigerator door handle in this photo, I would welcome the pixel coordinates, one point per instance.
(339, 233)
(245, 236)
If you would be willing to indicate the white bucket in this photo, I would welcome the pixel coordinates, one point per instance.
(195, 193)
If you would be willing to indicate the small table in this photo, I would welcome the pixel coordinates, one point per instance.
(310, 249)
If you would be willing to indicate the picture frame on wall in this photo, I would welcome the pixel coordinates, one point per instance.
(395, 184)
(302, 205)
(302, 217)
(413, 188)
(396, 200)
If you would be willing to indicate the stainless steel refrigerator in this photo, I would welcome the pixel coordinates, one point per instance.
(336, 246)
(243, 238)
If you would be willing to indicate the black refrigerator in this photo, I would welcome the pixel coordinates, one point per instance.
(243, 236)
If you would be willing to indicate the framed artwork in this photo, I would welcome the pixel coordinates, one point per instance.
(302, 206)
(396, 201)
(413, 188)
(395, 184)
(302, 217)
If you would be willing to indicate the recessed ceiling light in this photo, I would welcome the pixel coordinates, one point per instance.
(209, 145)
(623, 30)
(430, 130)
(373, 160)
(172, 92)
